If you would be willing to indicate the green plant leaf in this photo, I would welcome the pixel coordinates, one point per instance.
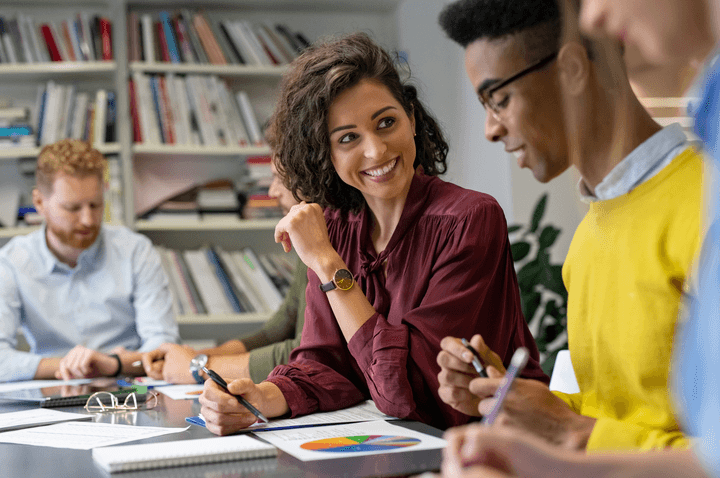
(548, 236)
(519, 250)
(538, 213)
(529, 276)
(513, 228)
(530, 303)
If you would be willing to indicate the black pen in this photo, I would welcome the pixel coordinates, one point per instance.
(219, 380)
(476, 359)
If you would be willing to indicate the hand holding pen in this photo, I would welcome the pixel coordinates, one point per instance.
(222, 384)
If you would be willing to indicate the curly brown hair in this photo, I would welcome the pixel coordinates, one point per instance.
(298, 130)
(69, 156)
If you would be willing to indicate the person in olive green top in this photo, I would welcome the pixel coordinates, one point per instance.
(252, 356)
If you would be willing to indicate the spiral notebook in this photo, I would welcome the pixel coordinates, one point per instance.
(181, 453)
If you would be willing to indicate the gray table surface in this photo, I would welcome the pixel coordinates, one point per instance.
(39, 462)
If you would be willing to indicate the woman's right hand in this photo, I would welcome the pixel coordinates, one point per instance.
(304, 227)
(224, 414)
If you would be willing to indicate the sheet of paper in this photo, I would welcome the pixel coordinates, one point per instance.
(181, 392)
(355, 439)
(363, 412)
(33, 384)
(36, 417)
(83, 436)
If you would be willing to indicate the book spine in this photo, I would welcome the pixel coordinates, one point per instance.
(215, 54)
(42, 102)
(81, 102)
(193, 36)
(162, 42)
(251, 122)
(106, 38)
(175, 288)
(50, 42)
(265, 285)
(133, 35)
(137, 131)
(188, 285)
(225, 281)
(186, 48)
(158, 109)
(101, 99)
(207, 283)
(14, 32)
(7, 41)
(147, 34)
(239, 38)
(247, 30)
(170, 43)
(247, 295)
(69, 101)
(182, 115)
(231, 43)
(26, 40)
(71, 39)
(110, 118)
(166, 111)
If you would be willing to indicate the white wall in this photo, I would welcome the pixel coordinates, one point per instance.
(475, 163)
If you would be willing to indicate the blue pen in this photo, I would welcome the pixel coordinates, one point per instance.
(221, 382)
(517, 364)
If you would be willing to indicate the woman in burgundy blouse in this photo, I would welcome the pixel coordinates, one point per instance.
(397, 258)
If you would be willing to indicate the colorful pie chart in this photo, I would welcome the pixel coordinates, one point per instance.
(362, 443)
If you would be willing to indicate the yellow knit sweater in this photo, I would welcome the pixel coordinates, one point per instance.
(625, 274)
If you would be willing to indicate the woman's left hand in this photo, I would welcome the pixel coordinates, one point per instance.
(304, 228)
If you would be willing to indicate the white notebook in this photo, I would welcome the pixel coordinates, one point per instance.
(180, 453)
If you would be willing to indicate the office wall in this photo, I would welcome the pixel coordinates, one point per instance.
(437, 65)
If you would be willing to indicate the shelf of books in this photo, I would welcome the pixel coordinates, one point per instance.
(208, 69)
(196, 149)
(47, 70)
(13, 152)
(220, 224)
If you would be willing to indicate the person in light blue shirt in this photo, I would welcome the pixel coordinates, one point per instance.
(89, 298)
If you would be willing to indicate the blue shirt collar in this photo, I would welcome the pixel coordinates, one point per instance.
(52, 264)
(640, 165)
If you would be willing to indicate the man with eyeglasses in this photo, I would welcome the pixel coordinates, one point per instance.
(555, 100)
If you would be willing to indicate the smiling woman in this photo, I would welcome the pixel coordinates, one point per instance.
(398, 259)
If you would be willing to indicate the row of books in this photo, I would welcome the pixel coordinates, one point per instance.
(192, 38)
(259, 204)
(79, 38)
(191, 110)
(63, 112)
(211, 280)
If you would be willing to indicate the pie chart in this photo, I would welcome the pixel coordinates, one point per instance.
(361, 443)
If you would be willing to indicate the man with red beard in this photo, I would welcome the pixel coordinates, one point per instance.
(88, 298)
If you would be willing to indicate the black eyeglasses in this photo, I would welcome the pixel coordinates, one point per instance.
(487, 97)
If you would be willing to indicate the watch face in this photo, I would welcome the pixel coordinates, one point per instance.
(343, 279)
(198, 362)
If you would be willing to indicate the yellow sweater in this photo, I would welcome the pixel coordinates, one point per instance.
(625, 274)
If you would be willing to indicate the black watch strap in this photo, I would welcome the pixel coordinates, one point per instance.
(119, 362)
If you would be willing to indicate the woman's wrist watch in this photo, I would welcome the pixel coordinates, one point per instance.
(342, 279)
(196, 365)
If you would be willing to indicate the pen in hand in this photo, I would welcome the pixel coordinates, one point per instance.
(221, 382)
(517, 364)
(476, 359)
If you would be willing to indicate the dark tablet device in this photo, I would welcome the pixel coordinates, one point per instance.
(70, 395)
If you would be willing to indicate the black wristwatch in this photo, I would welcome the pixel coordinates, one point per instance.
(196, 364)
(342, 279)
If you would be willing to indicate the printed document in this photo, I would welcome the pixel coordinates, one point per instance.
(355, 439)
(83, 436)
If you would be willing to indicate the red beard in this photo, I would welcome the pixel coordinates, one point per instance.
(72, 239)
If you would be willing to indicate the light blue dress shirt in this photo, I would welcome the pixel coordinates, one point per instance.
(697, 355)
(116, 295)
(641, 164)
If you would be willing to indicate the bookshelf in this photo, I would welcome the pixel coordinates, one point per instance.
(185, 162)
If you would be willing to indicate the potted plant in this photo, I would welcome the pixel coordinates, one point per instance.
(542, 292)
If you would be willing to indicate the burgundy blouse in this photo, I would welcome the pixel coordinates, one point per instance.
(449, 272)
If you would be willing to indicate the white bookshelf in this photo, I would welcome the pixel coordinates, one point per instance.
(315, 18)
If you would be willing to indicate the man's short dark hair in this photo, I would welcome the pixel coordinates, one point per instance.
(539, 22)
